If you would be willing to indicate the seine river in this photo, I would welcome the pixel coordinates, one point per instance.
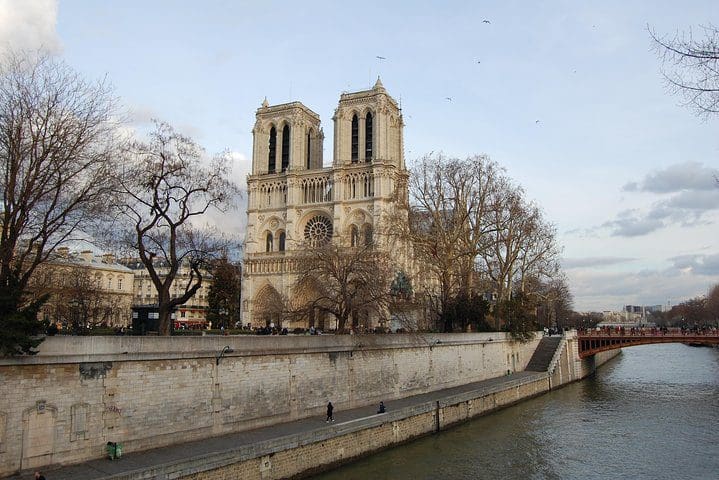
(651, 413)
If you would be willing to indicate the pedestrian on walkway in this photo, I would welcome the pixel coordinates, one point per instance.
(39, 476)
(330, 416)
(381, 408)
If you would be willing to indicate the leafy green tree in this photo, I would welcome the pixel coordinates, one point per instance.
(464, 310)
(518, 318)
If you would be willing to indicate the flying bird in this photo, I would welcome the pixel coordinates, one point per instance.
(449, 99)
(381, 58)
(478, 61)
(536, 121)
(486, 21)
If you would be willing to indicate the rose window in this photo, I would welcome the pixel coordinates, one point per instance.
(318, 230)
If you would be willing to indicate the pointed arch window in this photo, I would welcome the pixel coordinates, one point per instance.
(285, 148)
(282, 242)
(368, 234)
(268, 242)
(271, 163)
(309, 150)
(368, 137)
(355, 139)
(354, 236)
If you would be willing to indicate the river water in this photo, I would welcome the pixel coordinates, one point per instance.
(651, 413)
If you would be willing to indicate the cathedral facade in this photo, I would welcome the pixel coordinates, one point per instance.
(293, 201)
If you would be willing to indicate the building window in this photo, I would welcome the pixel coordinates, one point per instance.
(318, 230)
(355, 139)
(119, 283)
(354, 236)
(309, 150)
(368, 235)
(282, 242)
(271, 166)
(285, 148)
(368, 137)
(268, 242)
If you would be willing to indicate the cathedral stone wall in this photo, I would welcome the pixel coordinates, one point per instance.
(62, 405)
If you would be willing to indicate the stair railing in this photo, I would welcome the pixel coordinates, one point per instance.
(557, 354)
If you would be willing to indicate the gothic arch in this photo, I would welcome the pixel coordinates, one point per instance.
(367, 234)
(272, 148)
(369, 136)
(306, 299)
(267, 306)
(286, 144)
(354, 136)
(269, 241)
(309, 147)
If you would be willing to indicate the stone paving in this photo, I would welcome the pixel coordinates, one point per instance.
(137, 462)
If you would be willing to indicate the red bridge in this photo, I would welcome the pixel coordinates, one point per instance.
(595, 341)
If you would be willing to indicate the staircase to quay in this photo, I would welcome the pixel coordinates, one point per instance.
(543, 355)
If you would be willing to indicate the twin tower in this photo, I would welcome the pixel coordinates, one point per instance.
(295, 202)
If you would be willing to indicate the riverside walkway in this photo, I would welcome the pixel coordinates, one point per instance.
(221, 450)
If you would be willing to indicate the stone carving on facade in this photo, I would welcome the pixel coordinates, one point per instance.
(274, 223)
(94, 370)
(261, 218)
(358, 216)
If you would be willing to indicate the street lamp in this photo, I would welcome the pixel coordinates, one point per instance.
(222, 353)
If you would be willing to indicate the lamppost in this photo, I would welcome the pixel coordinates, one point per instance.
(225, 349)
(74, 304)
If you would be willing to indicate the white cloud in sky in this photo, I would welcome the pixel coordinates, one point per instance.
(29, 25)
(689, 276)
(687, 192)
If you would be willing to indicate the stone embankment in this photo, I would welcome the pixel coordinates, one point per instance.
(427, 382)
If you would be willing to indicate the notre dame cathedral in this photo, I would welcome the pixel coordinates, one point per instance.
(293, 200)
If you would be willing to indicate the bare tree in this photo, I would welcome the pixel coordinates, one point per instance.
(712, 304)
(76, 297)
(349, 283)
(448, 204)
(166, 188)
(690, 66)
(56, 145)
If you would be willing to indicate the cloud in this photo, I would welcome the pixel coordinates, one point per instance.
(696, 264)
(676, 178)
(686, 277)
(29, 25)
(688, 190)
(634, 225)
(570, 263)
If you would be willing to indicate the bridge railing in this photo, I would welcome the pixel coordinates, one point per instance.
(648, 331)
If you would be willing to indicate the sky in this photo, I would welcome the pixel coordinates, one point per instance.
(567, 96)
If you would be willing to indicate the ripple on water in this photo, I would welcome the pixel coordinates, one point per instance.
(652, 413)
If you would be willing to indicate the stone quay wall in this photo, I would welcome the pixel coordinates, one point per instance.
(63, 405)
(301, 455)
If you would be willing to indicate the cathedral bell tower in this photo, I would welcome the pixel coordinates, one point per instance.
(286, 137)
(368, 128)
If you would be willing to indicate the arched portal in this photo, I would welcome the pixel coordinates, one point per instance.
(267, 307)
(307, 302)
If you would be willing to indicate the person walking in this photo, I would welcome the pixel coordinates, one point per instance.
(39, 476)
(381, 408)
(330, 416)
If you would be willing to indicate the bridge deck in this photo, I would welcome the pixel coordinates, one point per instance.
(591, 342)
